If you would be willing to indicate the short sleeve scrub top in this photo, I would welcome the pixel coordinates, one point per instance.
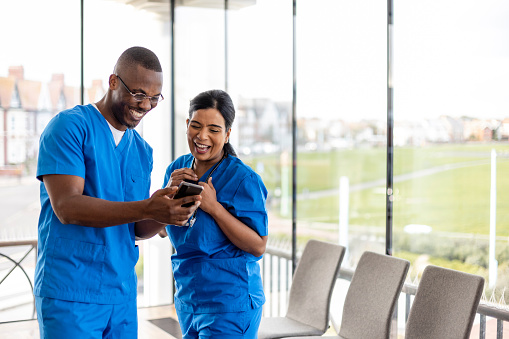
(211, 273)
(88, 264)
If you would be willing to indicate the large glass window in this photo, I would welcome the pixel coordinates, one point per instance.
(451, 109)
(260, 78)
(342, 120)
(39, 75)
(260, 83)
(199, 61)
(341, 107)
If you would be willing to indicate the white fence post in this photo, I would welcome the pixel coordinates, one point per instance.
(493, 263)
(344, 197)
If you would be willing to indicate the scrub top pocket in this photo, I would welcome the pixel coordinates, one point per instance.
(135, 184)
(219, 281)
(74, 260)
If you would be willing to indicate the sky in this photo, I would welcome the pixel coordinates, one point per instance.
(449, 56)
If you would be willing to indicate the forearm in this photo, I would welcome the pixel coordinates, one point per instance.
(146, 229)
(239, 233)
(72, 207)
(93, 212)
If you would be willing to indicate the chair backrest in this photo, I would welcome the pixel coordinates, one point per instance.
(313, 283)
(372, 296)
(445, 304)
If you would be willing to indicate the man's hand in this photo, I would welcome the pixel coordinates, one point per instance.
(162, 208)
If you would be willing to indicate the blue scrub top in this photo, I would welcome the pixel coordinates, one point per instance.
(211, 273)
(88, 264)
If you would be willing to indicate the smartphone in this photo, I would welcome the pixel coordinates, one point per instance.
(186, 189)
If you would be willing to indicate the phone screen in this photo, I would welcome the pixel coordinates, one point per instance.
(186, 189)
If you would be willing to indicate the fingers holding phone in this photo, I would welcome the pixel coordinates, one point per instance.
(162, 208)
(180, 175)
(187, 189)
(184, 207)
(189, 199)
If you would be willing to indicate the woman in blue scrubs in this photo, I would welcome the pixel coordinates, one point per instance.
(219, 292)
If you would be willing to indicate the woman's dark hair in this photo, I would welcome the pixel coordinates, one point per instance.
(221, 101)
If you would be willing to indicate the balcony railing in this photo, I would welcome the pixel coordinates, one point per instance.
(8, 264)
(277, 275)
(276, 270)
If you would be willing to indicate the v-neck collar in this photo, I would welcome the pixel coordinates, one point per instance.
(125, 138)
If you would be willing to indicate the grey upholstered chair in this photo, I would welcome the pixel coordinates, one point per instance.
(371, 297)
(310, 293)
(445, 304)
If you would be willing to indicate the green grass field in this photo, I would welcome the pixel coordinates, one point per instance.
(449, 200)
(446, 187)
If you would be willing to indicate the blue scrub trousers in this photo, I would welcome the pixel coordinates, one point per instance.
(60, 319)
(230, 325)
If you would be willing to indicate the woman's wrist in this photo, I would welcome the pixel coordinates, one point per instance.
(216, 209)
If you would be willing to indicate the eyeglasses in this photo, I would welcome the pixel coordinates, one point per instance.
(139, 97)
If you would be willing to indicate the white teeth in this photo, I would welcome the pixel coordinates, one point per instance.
(201, 147)
(137, 114)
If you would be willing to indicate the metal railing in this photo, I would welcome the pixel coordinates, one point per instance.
(276, 272)
(18, 263)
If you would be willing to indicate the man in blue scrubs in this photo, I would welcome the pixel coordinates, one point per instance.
(95, 172)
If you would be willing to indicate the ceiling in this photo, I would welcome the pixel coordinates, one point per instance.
(162, 7)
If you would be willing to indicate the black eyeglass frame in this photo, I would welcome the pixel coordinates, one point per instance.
(139, 97)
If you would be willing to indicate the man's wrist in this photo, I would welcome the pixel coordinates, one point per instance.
(144, 210)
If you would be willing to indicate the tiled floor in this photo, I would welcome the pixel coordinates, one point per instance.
(30, 329)
(147, 330)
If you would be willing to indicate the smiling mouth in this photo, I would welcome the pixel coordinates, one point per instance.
(201, 148)
(137, 114)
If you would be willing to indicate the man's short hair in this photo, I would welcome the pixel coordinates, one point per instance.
(138, 56)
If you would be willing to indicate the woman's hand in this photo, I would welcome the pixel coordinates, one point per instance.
(235, 230)
(181, 174)
(208, 196)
